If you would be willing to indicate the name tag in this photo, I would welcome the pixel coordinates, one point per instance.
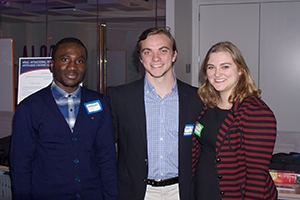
(93, 106)
(198, 129)
(188, 129)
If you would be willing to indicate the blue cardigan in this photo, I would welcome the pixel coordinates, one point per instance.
(48, 161)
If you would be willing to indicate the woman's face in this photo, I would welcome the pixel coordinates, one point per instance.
(222, 72)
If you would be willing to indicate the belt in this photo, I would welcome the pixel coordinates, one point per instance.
(161, 183)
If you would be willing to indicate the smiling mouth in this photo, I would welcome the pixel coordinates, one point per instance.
(72, 75)
(219, 80)
(156, 65)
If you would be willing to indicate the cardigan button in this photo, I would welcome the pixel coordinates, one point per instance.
(78, 179)
(218, 160)
(222, 192)
(220, 176)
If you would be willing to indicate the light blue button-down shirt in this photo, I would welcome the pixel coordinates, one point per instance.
(162, 119)
(61, 99)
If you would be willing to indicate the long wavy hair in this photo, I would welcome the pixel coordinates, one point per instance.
(245, 86)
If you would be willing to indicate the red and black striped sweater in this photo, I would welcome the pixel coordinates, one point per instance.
(244, 148)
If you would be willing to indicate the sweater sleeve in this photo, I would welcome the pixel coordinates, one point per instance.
(259, 130)
(259, 133)
(23, 145)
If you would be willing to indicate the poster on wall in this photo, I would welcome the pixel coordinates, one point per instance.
(34, 74)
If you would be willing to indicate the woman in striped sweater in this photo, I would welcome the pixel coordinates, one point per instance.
(235, 133)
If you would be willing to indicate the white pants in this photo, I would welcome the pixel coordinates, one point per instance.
(170, 192)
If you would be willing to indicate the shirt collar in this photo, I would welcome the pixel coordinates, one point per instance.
(59, 93)
(150, 88)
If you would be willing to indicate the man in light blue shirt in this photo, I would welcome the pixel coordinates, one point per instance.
(153, 120)
(162, 119)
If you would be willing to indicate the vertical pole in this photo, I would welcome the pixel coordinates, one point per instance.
(98, 49)
(47, 24)
(156, 13)
(102, 57)
(1, 18)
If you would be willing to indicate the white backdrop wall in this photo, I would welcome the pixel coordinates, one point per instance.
(267, 32)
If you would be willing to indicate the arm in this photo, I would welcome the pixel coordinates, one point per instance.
(259, 139)
(23, 144)
(260, 135)
(107, 155)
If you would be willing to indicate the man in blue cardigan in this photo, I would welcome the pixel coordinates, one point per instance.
(62, 141)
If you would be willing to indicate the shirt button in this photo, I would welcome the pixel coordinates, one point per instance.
(78, 196)
(74, 139)
(77, 179)
(222, 193)
(76, 161)
(220, 176)
(218, 160)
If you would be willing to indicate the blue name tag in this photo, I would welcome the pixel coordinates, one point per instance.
(188, 129)
(93, 106)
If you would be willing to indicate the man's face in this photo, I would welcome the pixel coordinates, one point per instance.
(68, 66)
(157, 56)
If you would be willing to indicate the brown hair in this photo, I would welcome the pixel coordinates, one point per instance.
(245, 86)
(154, 31)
